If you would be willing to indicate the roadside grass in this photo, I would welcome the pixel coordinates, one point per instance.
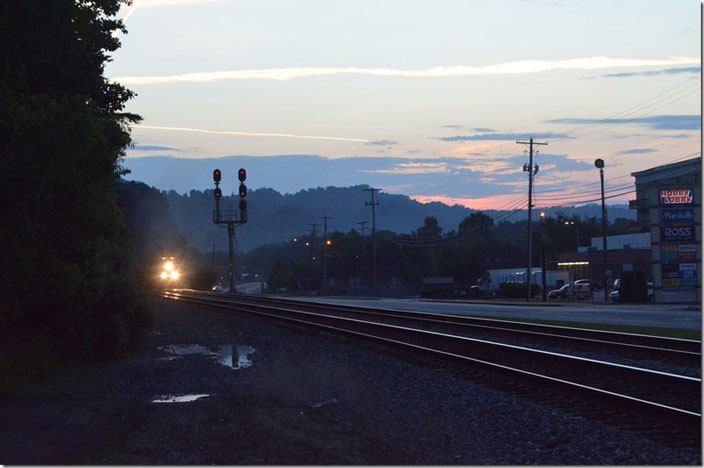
(681, 333)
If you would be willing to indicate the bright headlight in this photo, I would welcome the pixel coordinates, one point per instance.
(174, 274)
(164, 275)
(168, 266)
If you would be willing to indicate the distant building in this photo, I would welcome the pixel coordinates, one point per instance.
(629, 252)
(623, 242)
(668, 200)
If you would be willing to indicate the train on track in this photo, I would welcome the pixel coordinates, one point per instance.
(169, 272)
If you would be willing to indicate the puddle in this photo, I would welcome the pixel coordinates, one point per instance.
(179, 398)
(233, 356)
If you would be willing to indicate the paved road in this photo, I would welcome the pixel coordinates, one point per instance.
(649, 315)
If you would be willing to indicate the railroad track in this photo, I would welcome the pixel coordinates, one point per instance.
(670, 397)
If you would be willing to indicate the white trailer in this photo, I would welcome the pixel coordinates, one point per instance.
(553, 278)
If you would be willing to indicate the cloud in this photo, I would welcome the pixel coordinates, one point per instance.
(447, 177)
(482, 129)
(666, 71)
(505, 136)
(381, 143)
(507, 68)
(452, 126)
(638, 151)
(237, 133)
(413, 168)
(657, 122)
(151, 148)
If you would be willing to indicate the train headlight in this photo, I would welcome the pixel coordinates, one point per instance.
(168, 266)
(164, 275)
(174, 275)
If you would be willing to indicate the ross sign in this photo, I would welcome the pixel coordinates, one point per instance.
(676, 197)
(676, 215)
(677, 234)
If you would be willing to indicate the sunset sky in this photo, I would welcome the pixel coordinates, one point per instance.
(424, 98)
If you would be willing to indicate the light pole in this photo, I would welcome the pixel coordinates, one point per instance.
(600, 164)
(543, 264)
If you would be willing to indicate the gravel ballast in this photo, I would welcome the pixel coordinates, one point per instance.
(308, 397)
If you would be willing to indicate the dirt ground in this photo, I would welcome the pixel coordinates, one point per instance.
(282, 395)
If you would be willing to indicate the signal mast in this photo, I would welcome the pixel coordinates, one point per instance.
(232, 218)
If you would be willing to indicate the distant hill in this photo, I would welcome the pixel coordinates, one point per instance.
(274, 217)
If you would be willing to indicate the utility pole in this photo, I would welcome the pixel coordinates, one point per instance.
(373, 204)
(325, 252)
(600, 164)
(310, 261)
(531, 170)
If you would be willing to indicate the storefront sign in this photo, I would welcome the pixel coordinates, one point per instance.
(688, 253)
(676, 215)
(670, 270)
(676, 197)
(677, 234)
(679, 275)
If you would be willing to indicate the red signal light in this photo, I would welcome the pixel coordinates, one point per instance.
(242, 175)
(217, 175)
(243, 190)
(218, 194)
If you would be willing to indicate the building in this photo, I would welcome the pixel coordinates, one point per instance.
(668, 200)
(629, 252)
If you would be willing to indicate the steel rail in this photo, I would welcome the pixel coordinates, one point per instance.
(689, 350)
(462, 348)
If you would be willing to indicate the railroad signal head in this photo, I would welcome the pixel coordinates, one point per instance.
(218, 194)
(242, 175)
(243, 190)
(243, 205)
(217, 175)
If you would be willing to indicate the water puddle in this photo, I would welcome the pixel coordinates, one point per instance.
(179, 398)
(232, 356)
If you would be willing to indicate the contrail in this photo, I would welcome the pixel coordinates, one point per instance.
(129, 13)
(223, 132)
(507, 68)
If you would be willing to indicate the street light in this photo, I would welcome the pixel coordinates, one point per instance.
(599, 163)
(543, 264)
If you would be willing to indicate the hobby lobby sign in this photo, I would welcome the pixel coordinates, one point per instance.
(676, 197)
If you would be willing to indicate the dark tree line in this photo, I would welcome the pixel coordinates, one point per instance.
(66, 262)
(476, 246)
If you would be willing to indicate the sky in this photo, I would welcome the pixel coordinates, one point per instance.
(422, 98)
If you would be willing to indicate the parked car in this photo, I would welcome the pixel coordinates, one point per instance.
(591, 283)
(616, 296)
(562, 293)
(217, 288)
